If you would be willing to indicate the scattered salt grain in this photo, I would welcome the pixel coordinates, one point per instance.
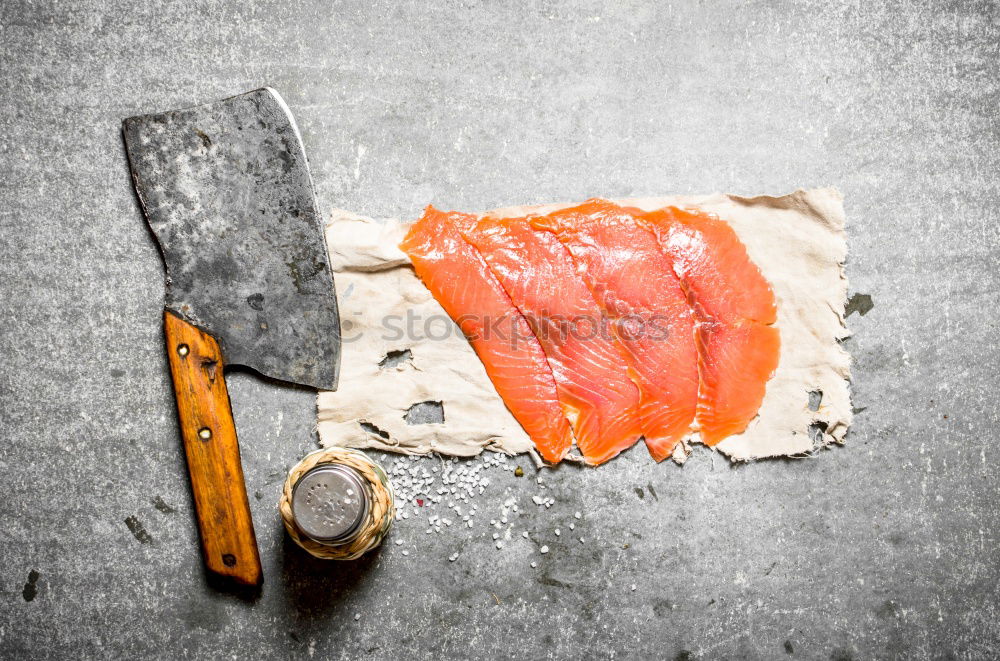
(421, 489)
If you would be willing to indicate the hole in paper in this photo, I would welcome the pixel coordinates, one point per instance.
(372, 429)
(816, 430)
(395, 358)
(424, 413)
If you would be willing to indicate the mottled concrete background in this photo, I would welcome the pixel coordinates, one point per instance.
(884, 548)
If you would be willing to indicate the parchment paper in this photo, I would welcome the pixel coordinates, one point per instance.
(797, 240)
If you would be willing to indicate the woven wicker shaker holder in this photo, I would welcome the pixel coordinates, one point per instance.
(380, 516)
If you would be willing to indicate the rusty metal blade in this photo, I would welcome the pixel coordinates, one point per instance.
(227, 191)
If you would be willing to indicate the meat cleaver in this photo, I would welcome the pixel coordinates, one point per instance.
(226, 189)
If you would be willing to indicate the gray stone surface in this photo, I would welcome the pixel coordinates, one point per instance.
(884, 548)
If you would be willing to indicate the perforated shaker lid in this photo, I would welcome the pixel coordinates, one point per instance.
(330, 503)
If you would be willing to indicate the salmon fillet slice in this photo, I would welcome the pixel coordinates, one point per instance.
(734, 307)
(735, 362)
(461, 282)
(714, 265)
(598, 397)
(635, 285)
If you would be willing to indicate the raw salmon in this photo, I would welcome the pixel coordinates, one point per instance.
(636, 286)
(539, 275)
(735, 361)
(465, 287)
(738, 347)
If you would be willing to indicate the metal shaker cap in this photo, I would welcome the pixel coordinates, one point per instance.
(330, 503)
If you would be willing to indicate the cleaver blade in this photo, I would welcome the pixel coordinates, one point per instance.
(226, 190)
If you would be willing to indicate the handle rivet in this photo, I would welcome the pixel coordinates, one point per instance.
(229, 560)
(183, 350)
(204, 433)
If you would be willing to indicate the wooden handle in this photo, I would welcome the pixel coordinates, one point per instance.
(228, 541)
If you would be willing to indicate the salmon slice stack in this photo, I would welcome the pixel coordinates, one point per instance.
(463, 284)
(600, 323)
(541, 279)
(734, 307)
(634, 283)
